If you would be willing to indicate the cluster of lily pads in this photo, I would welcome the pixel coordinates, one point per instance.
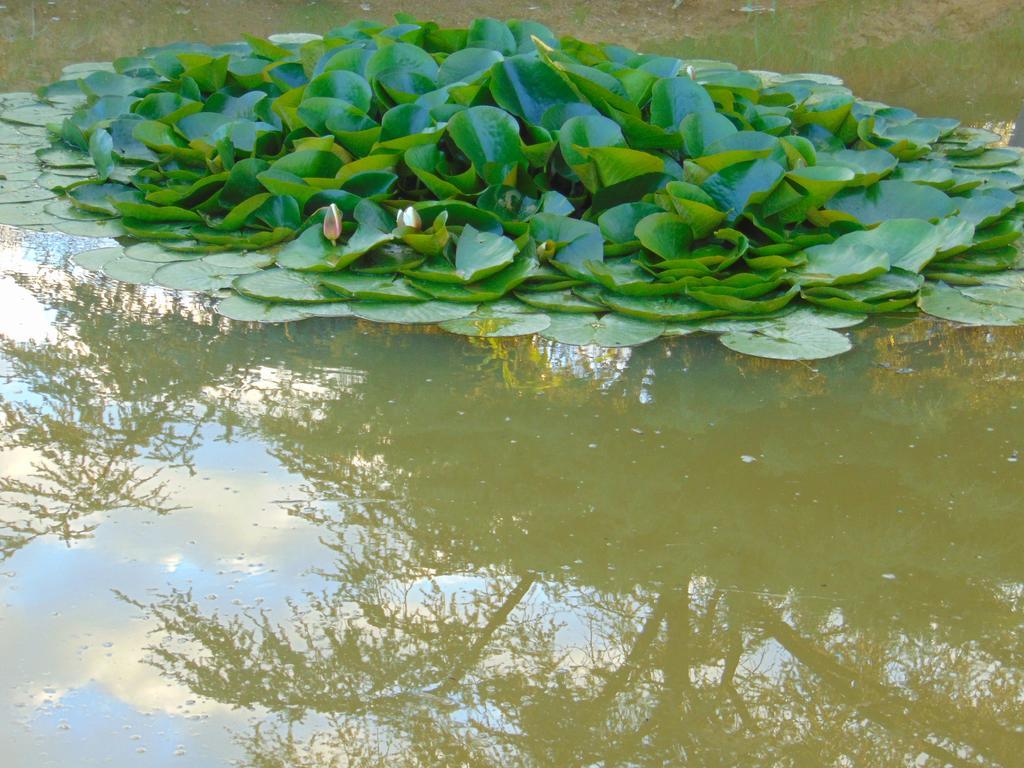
(499, 181)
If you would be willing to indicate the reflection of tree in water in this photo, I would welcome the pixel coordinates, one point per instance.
(392, 672)
(461, 626)
(100, 422)
(559, 651)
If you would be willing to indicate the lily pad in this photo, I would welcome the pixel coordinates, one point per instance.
(949, 303)
(810, 343)
(96, 259)
(284, 285)
(497, 326)
(411, 313)
(608, 330)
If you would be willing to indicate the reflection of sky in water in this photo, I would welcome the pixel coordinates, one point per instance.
(69, 730)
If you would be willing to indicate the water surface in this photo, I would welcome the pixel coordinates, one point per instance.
(340, 544)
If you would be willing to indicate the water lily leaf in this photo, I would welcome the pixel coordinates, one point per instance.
(662, 308)
(576, 242)
(840, 263)
(868, 166)
(665, 234)
(479, 254)
(793, 316)
(255, 311)
(411, 313)
(998, 235)
(34, 114)
(737, 186)
(608, 330)
(308, 164)
(352, 285)
(618, 224)
(467, 65)
(403, 57)
(989, 261)
(615, 165)
(893, 200)
(490, 139)
(129, 270)
(587, 131)
(722, 299)
(156, 213)
(497, 326)
(986, 206)
(949, 303)
(673, 98)
(22, 192)
(101, 147)
(888, 286)
(241, 262)
(559, 301)
(809, 343)
(284, 285)
(63, 209)
(491, 34)
(911, 244)
(158, 254)
(527, 87)
(61, 157)
(98, 228)
(94, 260)
(197, 275)
(342, 85)
(999, 295)
(992, 158)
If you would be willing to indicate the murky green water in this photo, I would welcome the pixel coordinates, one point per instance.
(333, 544)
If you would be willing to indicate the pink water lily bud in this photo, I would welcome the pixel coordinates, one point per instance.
(691, 72)
(410, 217)
(546, 250)
(332, 223)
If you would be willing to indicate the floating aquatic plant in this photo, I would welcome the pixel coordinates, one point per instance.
(499, 181)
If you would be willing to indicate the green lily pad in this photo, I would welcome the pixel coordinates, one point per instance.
(811, 343)
(480, 254)
(96, 259)
(411, 313)
(129, 270)
(839, 263)
(949, 303)
(992, 158)
(912, 243)
(893, 200)
(99, 228)
(497, 326)
(608, 330)
(197, 275)
(559, 301)
(283, 285)
(254, 311)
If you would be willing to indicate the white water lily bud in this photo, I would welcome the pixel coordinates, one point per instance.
(546, 250)
(410, 217)
(332, 223)
(691, 72)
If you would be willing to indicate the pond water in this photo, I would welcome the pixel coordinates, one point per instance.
(339, 544)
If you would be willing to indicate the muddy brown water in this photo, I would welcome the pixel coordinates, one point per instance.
(338, 544)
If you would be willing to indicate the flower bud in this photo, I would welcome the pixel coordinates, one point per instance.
(546, 250)
(332, 223)
(691, 72)
(410, 218)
